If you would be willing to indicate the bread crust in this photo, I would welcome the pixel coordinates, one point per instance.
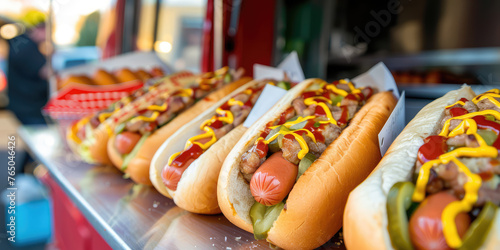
(98, 150)
(138, 168)
(367, 228)
(315, 205)
(197, 190)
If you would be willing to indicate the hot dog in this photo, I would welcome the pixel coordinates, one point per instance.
(437, 185)
(85, 127)
(157, 122)
(187, 165)
(126, 141)
(322, 130)
(89, 136)
(273, 180)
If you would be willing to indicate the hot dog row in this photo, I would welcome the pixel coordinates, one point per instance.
(288, 177)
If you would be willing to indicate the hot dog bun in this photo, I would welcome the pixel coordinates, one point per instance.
(138, 168)
(126, 75)
(103, 77)
(143, 75)
(98, 146)
(81, 79)
(197, 189)
(314, 207)
(365, 217)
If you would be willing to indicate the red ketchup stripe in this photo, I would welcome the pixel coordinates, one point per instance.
(433, 147)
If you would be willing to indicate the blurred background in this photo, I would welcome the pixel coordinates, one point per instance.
(430, 46)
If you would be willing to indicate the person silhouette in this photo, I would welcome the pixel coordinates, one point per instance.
(27, 86)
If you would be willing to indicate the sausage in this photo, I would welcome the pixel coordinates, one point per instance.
(315, 148)
(291, 149)
(298, 105)
(134, 126)
(272, 182)
(426, 230)
(486, 104)
(240, 117)
(470, 107)
(94, 121)
(126, 141)
(250, 162)
(219, 133)
(148, 127)
(367, 92)
(172, 175)
(242, 97)
(457, 141)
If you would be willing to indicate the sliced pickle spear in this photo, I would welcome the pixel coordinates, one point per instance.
(273, 132)
(488, 136)
(228, 78)
(299, 125)
(120, 128)
(263, 218)
(490, 118)
(127, 158)
(478, 230)
(305, 163)
(293, 118)
(337, 99)
(284, 85)
(276, 144)
(398, 201)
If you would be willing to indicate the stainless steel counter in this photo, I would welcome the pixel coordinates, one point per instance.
(130, 216)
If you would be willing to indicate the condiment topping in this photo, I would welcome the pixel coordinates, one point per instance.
(434, 152)
(207, 82)
(313, 125)
(224, 116)
(77, 127)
